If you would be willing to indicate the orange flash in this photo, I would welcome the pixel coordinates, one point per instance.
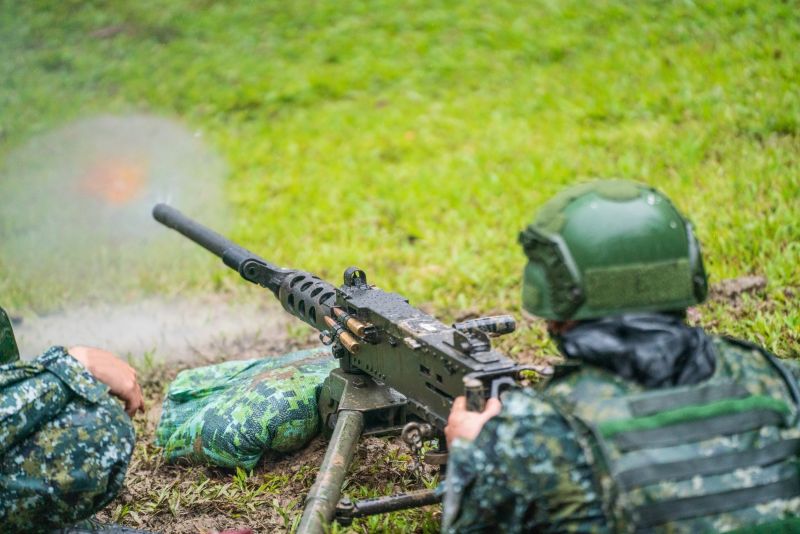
(115, 182)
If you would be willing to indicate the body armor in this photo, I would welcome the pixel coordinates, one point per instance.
(714, 456)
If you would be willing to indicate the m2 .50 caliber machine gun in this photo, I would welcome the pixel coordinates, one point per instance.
(400, 368)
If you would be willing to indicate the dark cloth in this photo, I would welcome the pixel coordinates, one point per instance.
(8, 345)
(654, 349)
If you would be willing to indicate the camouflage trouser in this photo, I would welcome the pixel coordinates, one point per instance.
(64, 443)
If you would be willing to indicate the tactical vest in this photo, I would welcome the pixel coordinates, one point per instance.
(8, 345)
(720, 455)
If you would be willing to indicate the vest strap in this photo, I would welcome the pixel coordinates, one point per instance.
(711, 465)
(697, 430)
(705, 394)
(651, 515)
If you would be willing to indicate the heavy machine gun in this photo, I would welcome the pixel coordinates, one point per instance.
(400, 368)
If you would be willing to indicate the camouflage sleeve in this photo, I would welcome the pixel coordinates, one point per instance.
(64, 443)
(524, 472)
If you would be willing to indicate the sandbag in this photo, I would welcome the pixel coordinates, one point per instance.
(230, 413)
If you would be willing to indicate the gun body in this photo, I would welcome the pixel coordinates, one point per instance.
(398, 365)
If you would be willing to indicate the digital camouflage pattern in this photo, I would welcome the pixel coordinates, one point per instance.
(528, 469)
(64, 443)
(229, 414)
(8, 345)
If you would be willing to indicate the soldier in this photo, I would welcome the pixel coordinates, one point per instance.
(65, 442)
(650, 424)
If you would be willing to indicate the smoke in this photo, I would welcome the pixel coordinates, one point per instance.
(75, 204)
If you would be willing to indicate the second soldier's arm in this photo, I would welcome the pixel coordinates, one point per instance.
(528, 450)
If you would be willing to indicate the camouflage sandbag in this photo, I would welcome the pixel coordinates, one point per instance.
(229, 414)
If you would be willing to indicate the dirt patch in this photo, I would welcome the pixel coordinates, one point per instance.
(732, 293)
(732, 289)
(745, 307)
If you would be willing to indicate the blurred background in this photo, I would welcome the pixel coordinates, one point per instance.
(413, 139)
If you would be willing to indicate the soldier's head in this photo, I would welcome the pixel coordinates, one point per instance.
(607, 248)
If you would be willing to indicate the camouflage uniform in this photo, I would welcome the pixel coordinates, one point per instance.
(64, 442)
(529, 468)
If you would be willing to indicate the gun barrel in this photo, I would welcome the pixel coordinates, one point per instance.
(250, 266)
(232, 254)
(302, 294)
(205, 237)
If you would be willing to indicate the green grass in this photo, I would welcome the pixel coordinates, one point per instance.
(414, 139)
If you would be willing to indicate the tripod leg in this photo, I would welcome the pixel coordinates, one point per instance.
(324, 494)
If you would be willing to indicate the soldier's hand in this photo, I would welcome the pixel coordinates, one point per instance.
(465, 424)
(113, 372)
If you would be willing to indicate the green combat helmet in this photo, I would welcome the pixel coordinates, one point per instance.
(8, 345)
(610, 247)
